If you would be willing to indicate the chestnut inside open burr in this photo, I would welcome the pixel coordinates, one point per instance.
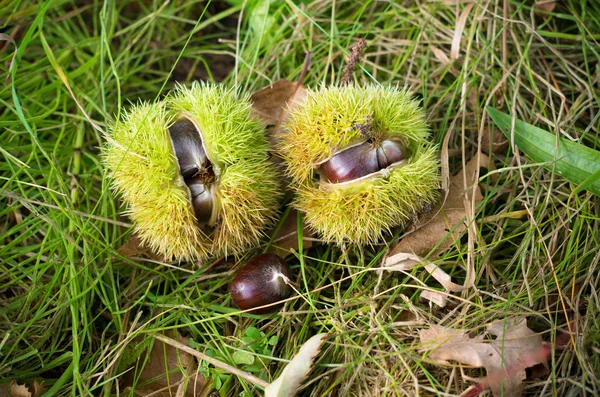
(195, 167)
(361, 160)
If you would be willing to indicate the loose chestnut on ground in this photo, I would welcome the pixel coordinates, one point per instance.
(360, 161)
(194, 173)
(264, 279)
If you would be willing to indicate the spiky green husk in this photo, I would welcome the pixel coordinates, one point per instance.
(228, 131)
(247, 189)
(359, 212)
(144, 170)
(327, 122)
(248, 195)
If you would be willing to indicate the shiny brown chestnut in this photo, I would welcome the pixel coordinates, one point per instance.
(361, 160)
(195, 167)
(263, 280)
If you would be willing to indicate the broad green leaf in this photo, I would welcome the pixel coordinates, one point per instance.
(572, 160)
(254, 333)
(242, 357)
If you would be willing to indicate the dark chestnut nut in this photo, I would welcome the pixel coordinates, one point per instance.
(361, 160)
(261, 281)
(202, 201)
(188, 148)
(195, 167)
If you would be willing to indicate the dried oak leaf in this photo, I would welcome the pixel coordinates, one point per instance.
(443, 226)
(167, 372)
(505, 358)
(13, 389)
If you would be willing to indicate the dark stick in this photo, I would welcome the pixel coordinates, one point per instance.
(355, 53)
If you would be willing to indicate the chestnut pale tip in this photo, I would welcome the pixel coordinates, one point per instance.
(263, 280)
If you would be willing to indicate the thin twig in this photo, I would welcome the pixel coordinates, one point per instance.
(219, 364)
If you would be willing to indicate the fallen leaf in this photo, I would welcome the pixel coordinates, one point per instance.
(273, 103)
(286, 239)
(37, 388)
(133, 247)
(167, 372)
(505, 358)
(269, 102)
(448, 223)
(16, 390)
(294, 373)
(493, 141)
(434, 297)
(403, 261)
(544, 7)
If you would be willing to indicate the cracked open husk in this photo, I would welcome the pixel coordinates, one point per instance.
(375, 121)
(233, 174)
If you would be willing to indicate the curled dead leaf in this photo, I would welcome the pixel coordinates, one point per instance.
(294, 373)
(544, 7)
(505, 358)
(402, 261)
(274, 102)
(13, 389)
(493, 141)
(434, 297)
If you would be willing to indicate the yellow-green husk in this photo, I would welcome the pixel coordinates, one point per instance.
(361, 211)
(144, 170)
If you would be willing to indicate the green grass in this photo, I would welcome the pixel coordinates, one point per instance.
(69, 302)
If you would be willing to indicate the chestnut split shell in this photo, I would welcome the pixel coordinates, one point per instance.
(195, 167)
(261, 281)
(361, 160)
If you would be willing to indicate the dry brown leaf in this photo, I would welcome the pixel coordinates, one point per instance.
(294, 373)
(493, 141)
(37, 389)
(544, 7)
(286, 239)
(434, 297)
(273, 103)
(168, 372)
(403, 261)
(515, 349)
(133, 247)
(16, 390)
(447, 223)
(269, 102)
